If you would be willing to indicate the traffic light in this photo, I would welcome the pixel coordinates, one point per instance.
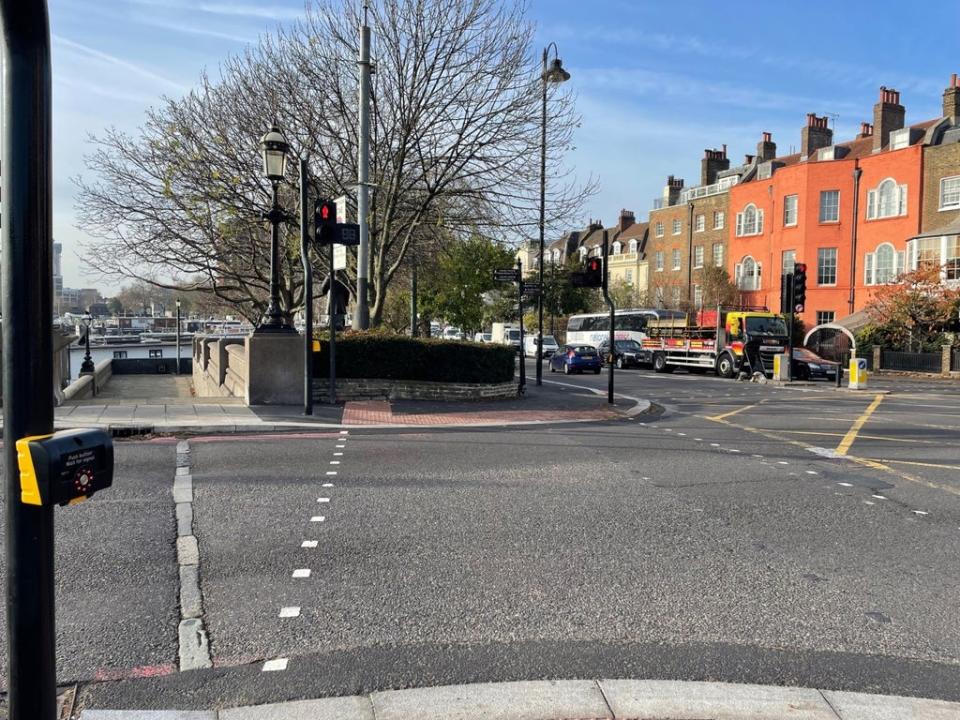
(325, 220)
(799, 286)
(591, 276)
(786, 293)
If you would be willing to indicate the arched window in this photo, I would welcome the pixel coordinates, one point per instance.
(556, 257)
(887, 200)
(750, 221)
(883, 266)
(617, 247)
(747, 273)
(583, 252)
(632, 246)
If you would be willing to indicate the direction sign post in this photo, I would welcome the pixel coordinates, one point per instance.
(506, 275)
(518, 274)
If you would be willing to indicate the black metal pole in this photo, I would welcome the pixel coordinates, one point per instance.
(333, 331)
(27, 304)
(543, 201)
(178, 337)
(414, 330)
(307, 289)
(606, 296)
(523, 355)
(87, 365)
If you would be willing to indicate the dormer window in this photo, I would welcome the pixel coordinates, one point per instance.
(899, 139)
(617, 247)
(632, 246)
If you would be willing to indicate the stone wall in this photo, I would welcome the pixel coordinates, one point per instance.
(219, 366)
(349, 389)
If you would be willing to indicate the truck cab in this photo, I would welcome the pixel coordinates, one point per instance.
(752, 339)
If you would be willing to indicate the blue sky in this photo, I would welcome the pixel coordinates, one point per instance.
(657, 82)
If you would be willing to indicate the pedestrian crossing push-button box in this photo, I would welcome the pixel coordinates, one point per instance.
(64, 468)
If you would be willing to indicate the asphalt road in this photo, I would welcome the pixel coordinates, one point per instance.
(748, 533)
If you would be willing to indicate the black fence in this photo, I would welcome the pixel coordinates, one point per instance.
(150, 366)
(911, 362)
(955, 360)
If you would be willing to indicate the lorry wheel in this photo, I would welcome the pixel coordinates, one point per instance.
(725, 366)
(660, 364)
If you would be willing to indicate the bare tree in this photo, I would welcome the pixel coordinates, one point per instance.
(455, 144)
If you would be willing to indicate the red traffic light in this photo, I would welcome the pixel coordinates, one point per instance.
(593, 265)
(800, 267)
(325, 212)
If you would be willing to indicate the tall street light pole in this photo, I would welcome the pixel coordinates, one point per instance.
(87, 366)
(273, 147)
(363, 177)
(554, 73)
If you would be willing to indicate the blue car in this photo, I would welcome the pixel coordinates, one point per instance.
(575, 358)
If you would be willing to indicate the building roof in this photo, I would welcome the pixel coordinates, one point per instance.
(635, 232)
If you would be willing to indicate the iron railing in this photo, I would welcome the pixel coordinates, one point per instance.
(911, 362)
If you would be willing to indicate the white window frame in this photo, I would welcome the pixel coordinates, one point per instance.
(718, 254)
(677, 260)
(750, 221)
(632, 247)
(887, 200)
(677, 226)
(899, 139)
(787, 222)
(698, 256)
(698, 296)
(871, 266)
(658, 261)
(583, 253)
(820, 255)
(954, 193)
(658, 229)
(719, 218)
(701, 223)
(628, 276)
(820, 215)
(783, 261)
(617, 247)
(741, 275)
(821, 313)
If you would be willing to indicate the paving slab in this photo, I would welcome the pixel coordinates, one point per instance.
(147, 715)
(713, 701)
(859, 706)
(341, 708)
(531, 700)
(150, 412)
(115, 413)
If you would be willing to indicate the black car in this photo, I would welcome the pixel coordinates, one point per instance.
(808, 365)
(628, 353)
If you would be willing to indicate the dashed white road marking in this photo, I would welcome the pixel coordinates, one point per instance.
(334, 462)
(337, 454)
(317, 518)
(714, 444)
(331, 472)
(341, 447)
(343, 432)
(869, 502)
(811, 472)
(681, 434)
(274, 665)
(327, 485)
(879, 497)
(782, 462)
(843, 484)
(920, 512)
(309, 543)
(288, 612)
(323, 500)
(734, 450)
(301, 573)
(699, 439)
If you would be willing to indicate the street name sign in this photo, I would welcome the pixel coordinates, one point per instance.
(506, 275)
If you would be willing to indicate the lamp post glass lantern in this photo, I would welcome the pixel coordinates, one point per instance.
(552, 73)
(273, 148)
(87, 365)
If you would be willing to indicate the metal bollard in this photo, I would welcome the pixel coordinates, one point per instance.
(840, 372)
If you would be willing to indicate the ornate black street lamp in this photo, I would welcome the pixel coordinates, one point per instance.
(273, 147)
(87, 365)
(552, 73)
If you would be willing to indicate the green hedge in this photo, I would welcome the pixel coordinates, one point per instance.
(396, 357)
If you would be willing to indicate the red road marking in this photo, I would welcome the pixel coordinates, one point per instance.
(140, 671)
(271, 436)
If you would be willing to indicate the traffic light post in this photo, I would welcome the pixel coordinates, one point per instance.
(594, 275)
(307, 291)
(329, 232)
(523, 350)
(793, 298)
(27, 353)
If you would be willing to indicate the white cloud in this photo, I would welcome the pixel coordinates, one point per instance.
(114, 61)
(262, 11)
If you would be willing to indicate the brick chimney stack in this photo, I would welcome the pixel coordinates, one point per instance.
(627, 219)
(866, 130)
(714, 162)
(951, 100)
(766, 148)
(817, 134)
(671, 193)
(888, 115)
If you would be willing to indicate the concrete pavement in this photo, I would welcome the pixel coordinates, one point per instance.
(582, 699)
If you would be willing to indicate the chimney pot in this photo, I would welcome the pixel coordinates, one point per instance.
(747, 159)
(817, 134)
(766, 137)
(888, 115)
